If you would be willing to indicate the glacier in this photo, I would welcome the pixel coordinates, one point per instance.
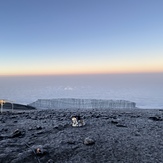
(73, 103)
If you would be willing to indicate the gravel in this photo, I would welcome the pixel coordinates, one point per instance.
(108, 136)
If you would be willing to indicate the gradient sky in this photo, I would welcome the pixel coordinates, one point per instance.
(80, 36)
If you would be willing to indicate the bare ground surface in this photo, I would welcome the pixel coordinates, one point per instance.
(116, 136)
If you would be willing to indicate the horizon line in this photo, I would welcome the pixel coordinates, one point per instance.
(78, 74)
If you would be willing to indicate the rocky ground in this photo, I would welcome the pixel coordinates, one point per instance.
(109, 136)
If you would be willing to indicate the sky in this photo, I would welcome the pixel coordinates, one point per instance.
(46, 37)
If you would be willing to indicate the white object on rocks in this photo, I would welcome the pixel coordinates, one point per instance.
(77, 121)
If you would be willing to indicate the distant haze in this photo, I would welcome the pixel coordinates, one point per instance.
(144, 89)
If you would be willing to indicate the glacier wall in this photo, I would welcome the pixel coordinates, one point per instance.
(72, 103)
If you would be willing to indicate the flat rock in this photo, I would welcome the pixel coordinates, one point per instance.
(89, 141)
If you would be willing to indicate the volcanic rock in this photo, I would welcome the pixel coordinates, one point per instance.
(89, 141)
(99, 140)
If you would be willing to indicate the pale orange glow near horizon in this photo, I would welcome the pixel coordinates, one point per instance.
(103, 66)
(107, 38)
(87, 70)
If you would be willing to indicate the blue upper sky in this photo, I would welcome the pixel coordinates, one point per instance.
(80, 36)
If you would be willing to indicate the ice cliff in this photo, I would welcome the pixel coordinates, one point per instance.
(72, 103)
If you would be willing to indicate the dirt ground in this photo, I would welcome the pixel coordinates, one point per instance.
(113, 136)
